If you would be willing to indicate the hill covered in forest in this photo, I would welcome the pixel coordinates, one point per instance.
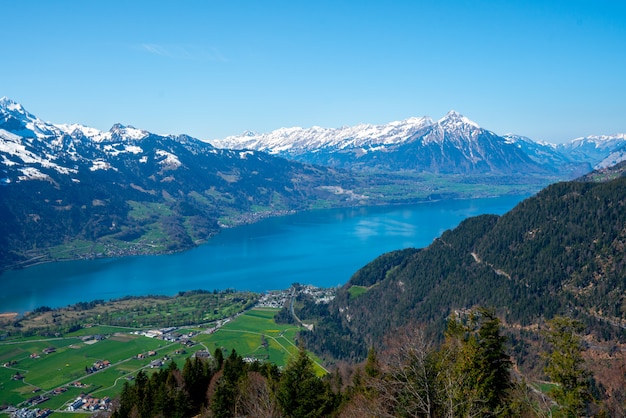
(560, 252)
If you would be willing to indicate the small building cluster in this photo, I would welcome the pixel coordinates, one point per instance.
(166, 334)
(98, 365)
(31, 413)
(277, 298)
(36, 400)
(90, 403)
(274, 299)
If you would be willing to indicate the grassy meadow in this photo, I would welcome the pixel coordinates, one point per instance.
(253, 334)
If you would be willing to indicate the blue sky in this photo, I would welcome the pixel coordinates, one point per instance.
(550, 70)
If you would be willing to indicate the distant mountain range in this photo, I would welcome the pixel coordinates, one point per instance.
(451, 145)
(69, 191)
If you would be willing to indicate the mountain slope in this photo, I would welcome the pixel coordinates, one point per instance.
(456, 145)
(562, 251)
(68, 191)
(595, 149)
(294, 142)
(452, 145)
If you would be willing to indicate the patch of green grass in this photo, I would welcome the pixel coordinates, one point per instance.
(67, 364)
(12, 391)
(255, 334)
(355, 291)
(544, 387)
(74, 249)
(147, 210)
(98, 329)
(224, 197)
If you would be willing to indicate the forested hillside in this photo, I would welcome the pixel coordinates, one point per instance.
(561, 252)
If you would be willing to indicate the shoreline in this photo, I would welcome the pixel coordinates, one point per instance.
(416, 203)
(238, 222)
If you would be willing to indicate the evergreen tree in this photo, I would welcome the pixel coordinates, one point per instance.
(566, 366)
(492, 364)
(196, 375)
(301, 393)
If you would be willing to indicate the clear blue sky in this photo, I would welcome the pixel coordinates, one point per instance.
(550, 70)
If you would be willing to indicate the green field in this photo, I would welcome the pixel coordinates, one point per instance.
(65, 365)
(355, 291)
(253, 334)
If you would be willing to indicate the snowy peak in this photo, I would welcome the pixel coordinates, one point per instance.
(77, 130)
(599, 150)
(362, 138)
(454, 120)
(12, 107)
(16, 119)
(598, 141)
(298, 141)
(121, 132)
(453, 127)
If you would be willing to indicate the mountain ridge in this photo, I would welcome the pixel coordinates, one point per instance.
(560, 252)
(116, 190)
(128, 191)
(367, 147)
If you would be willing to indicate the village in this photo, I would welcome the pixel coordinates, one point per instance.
(185, 336)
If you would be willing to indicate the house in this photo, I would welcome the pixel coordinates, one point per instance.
(76, 405)
(156, 363)
(202, 354)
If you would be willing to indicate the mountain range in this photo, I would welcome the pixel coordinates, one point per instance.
(452, 145)
(68, 190)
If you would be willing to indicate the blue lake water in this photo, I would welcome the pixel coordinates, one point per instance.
(323, 248)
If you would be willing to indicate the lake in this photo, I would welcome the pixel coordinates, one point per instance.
(322, 248)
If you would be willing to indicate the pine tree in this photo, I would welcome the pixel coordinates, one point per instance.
(566, 366)
(301, 393)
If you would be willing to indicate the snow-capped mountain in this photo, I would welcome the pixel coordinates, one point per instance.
(453, 144)
(131, 191)
(298, 141)
(457, 145)
(128, 191)
(596, 149)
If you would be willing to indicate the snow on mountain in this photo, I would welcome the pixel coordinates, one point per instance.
(295, 141)
(23, 123)
(29, 145)
(598, 141)
(453, 143)
(13, 149)
(453, 126)
(76, 129)
(615, 157)
(593, 149)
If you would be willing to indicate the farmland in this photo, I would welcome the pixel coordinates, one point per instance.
(97, 359)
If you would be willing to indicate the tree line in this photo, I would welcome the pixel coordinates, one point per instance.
(469, 374)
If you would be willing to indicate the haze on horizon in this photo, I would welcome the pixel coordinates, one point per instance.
(551, 71)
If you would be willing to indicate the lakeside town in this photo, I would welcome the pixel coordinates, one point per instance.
(89, 402)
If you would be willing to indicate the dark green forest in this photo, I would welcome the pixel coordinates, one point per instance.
(560, 252)
(416, 339)
(469, 374)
